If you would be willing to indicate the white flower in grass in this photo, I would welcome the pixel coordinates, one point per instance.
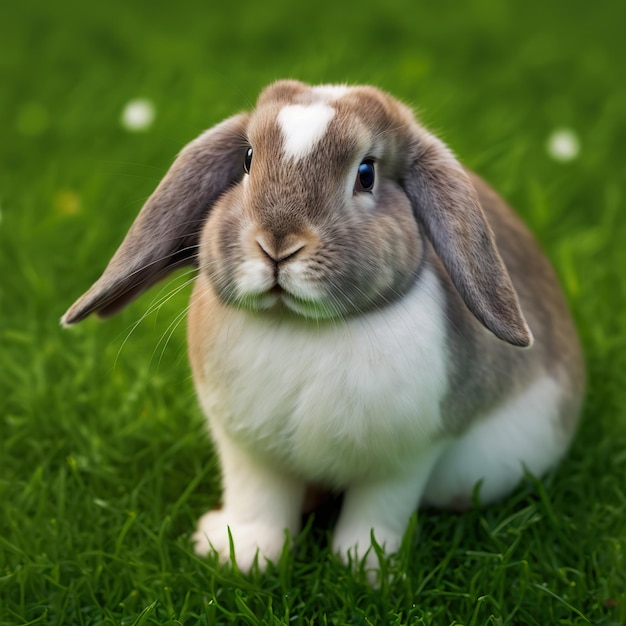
(138, 115)
(563, 145)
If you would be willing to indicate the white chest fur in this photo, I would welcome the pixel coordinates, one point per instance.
(333, 402)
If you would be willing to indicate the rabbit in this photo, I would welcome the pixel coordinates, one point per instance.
(367, 315)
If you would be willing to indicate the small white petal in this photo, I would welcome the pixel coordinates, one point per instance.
(138, 115)
(563, 145)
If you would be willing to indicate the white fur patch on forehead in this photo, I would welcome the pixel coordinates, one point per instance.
(303, 126)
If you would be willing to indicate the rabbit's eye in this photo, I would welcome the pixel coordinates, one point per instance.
(248, 161)
(365, 176)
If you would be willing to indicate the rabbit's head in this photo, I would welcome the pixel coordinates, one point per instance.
(320, 203)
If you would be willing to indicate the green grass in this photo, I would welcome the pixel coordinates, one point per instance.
(104, 464)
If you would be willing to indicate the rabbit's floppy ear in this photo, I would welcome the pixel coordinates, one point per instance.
(447, 206)
(166, 233)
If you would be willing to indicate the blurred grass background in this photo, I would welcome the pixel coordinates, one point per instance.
(104, 467)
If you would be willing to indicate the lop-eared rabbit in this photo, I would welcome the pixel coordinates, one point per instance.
(367, 316)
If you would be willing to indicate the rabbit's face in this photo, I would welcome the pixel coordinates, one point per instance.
(318, 225)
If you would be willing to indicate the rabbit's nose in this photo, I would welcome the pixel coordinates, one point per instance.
(280, 251)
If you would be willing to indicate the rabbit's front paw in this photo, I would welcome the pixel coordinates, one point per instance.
(355, 544)
(248, 539)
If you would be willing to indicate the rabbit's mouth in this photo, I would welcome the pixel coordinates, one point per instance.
(277, 290)
(278, 300)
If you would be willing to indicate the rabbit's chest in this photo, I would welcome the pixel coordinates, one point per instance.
(332, 402)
